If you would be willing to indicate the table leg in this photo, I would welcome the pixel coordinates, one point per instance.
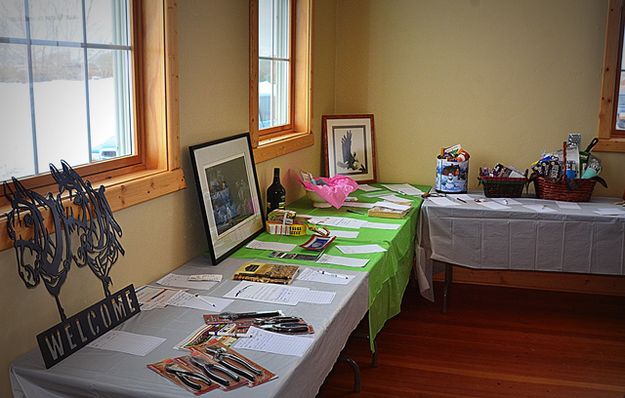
(374, 356)
(449, 276)
(355, 368)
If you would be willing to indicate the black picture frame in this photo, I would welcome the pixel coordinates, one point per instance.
(229, 195)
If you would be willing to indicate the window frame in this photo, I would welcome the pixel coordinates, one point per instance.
(611, 139)
(280, 140)
(157, 171)
(280, 130)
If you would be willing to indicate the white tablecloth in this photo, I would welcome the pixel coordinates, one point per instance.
(520, 238)
(98, 373)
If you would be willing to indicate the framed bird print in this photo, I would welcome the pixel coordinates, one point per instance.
(349, 146)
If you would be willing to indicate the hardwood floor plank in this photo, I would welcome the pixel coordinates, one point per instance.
(494, 342)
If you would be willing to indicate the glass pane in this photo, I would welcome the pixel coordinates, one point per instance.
(56, 20)
(12, 18)
(107, 22)
(60, 106)
(620, 107)
(16, 145)
(273, 28)
(110, 104)
(273, 93)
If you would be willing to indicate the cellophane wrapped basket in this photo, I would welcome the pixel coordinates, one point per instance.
(577, 190)
(503, 187)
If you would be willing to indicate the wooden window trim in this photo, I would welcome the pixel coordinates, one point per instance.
(610, 139)
(158, 172)
(278, 141)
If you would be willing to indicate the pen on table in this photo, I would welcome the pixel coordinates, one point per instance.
(204, 300)
(462, 200)
(332, 274)
(355, 212)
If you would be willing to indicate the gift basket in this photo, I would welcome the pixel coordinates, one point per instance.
(452, 170)
(569, 174)
(502, 181)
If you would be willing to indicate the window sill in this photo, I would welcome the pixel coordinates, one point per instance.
(610, 145)
(122, 192)
(274, 147)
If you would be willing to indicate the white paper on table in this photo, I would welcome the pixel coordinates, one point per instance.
(323, 276)
(343, 222)
(392, 206)
(404, 189)
(361, 249)
(568, 205)
(442, 201)
(394, 198)
(368, 188)
(213, 304)
(130, 343)
(346, 261)
(317, 297)
(381, 225)
(362, 205)
(275, 246)
(344, 234)
(151, 297)
(205, 278)
(267, 293)
(610, 211)
(184, 282)
(275, 343)
(541, 208)
(507, 201)
(462, 196)
(493, 205)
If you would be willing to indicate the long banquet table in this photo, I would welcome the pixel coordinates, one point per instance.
(520, 238)
(94, 372)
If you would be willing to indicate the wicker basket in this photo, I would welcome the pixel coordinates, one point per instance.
(580, 190)
(503, 187)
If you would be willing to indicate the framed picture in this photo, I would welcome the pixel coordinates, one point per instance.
(349, 146)
(227, 187)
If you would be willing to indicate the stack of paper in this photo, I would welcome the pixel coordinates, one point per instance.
(324, 276)
(345, 261)
(154, 297)
(182, 281)
(212, 304)
(404, 189)
(275, 343)
(367, 188)
(361, 249)
(343, 222)
(279, 294)
(130, 343)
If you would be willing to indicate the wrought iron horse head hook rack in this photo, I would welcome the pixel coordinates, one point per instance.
(45, 253)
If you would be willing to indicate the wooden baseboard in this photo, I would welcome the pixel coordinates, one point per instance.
(562, 282)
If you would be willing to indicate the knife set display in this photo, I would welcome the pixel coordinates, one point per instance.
(211, 365)
(273, 321)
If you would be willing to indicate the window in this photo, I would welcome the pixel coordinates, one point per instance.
(133, 55)
(612, 110)
(279, 76)
(65, 68)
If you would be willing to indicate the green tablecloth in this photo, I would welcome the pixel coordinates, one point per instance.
(388, 272)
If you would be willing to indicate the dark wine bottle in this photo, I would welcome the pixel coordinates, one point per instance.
(276, 194)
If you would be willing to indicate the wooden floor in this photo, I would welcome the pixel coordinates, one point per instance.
(494, 342)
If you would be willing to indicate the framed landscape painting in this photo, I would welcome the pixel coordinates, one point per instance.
(225, 176)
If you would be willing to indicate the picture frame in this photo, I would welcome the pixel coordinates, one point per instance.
(349, 146)
(227, 187)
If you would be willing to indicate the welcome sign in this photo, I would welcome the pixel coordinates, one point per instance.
(69, 336)
(44, 230)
